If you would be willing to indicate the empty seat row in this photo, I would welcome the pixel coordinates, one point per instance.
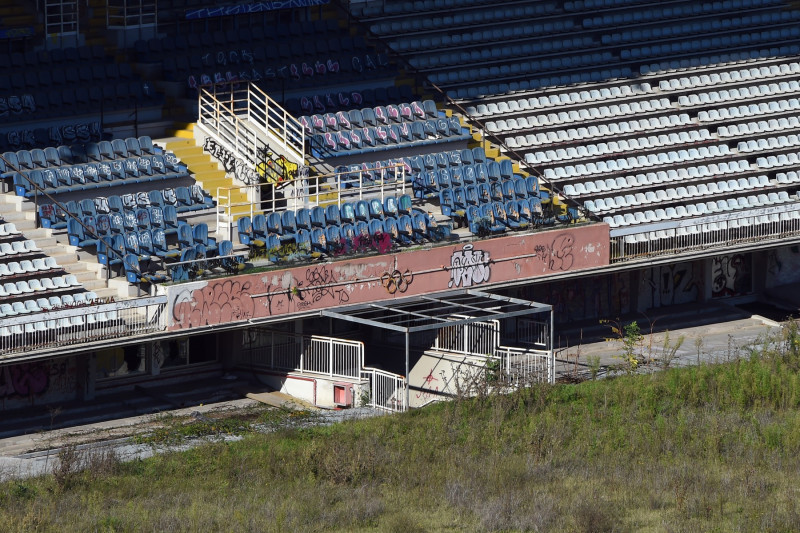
(48, 304)
(751, 110)
(670, 11)
(172, 201)
(500, 50)
(761, 126)
(452, 158)
(698, 233)
(662, 176)
(84, 177)
(458, 198)
(25, 247)
(699, 27)
(8, 228)
(514, 83)
(498, 217)
(66, 281)
(730, 76)
(465, 37)
(445, 178)
(621, 146)
(629, 163)
(27, 266)
(740, 93)
(456, 19)
(737, 56)
(600, 130)
(580, 115)
(686, 46)
(768, 143)
(780, 160)
(386, 137)
(380, 115)
(557, 100)
(672, 194)
(698, 209)
(50, 156)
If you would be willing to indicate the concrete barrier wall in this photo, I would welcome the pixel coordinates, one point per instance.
(378, 278)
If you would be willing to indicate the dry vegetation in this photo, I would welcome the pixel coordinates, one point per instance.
(708, 448)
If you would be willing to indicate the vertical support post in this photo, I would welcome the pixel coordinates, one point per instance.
(552, 358)
(330, 357)
(406, 399)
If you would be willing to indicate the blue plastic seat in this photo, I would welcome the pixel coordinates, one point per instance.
(318, 216)
(376, 209)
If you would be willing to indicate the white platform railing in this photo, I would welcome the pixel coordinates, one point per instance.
(523, 366)
(78, 325)
(475, 338)
(245, 118)
(308, 191)
(315, 354)
(699, 233)
(387, 391)
(533, 333)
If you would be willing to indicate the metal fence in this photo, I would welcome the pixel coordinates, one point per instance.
(523, 367)
(387, 391)
(315, 354)
(239, 117)
(78, 325)
(533, 333)
(475, 338)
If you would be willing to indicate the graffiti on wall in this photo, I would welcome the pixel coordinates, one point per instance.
(469, 267)
(27, 380)
(416, 272)
(231, 163)
(216, 303)
(670, 285)
(731, 275)
(557, 255)
(250, 7)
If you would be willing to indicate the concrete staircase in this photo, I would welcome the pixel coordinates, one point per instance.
(208, 172)
(75, 261)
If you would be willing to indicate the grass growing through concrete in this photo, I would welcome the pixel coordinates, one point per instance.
(707, 448)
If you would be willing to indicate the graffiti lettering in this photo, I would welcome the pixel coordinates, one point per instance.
(558, 254)
(730, 275)
(233, 165)
(469, 267)
(214, 304)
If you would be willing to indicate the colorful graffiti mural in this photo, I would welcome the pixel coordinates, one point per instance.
(34, 380)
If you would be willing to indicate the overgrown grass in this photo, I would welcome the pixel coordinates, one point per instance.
(709, 448)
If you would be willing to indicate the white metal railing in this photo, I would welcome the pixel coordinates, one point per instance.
(130, 13)
(533, 333)
(271, 118)
(728, 229)
(223, 109)
(77, 325)
(308, 191)
(522, 366)
(61, 17)
(315, 354)
(474, 338)
(387, 391)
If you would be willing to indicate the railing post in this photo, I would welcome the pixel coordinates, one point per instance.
(330, 356)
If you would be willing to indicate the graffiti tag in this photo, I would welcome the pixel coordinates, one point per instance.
(469, 267)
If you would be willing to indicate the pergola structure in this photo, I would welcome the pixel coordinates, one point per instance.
(438, 310)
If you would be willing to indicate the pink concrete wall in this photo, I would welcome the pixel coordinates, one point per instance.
(464, 265)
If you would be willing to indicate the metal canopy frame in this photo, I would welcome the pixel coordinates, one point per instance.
(435, 311)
